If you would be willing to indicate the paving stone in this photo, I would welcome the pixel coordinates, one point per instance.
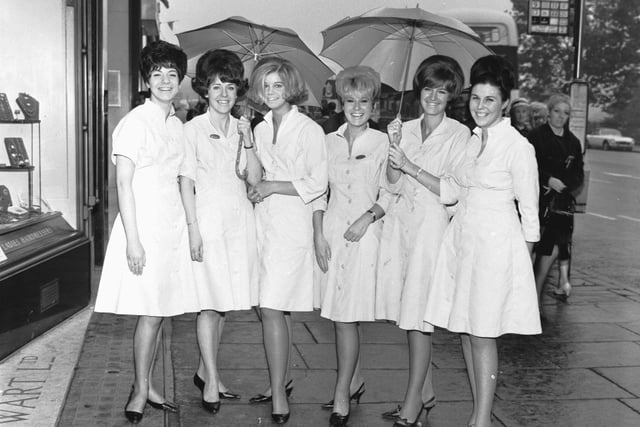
(556, 384)
(592, 355)
(567, 413)
(627, 378)
(588, 332)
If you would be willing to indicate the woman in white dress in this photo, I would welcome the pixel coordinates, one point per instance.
(483, 283)
(292, 152)
(220, 218)
(147, 270)
(346, 234)
(415, 222)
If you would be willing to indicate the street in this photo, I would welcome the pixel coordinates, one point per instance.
(605, 241)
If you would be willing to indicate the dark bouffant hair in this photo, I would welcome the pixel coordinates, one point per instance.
(295, 90)
(438, 71)
(496, 71)
(160, 54)
(222, 64)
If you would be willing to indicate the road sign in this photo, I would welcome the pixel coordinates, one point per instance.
(552, 18)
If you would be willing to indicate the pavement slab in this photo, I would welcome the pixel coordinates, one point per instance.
(627, 378)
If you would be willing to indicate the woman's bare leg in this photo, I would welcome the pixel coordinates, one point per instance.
(467, 352)
(208, 333)
(541, 270)
(144, 347)
(485, 366)
(277, 343)
(347, 352)
(419, 362)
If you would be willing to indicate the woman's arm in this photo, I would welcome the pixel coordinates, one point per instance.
(187, 193)
(398, 160)
(321, 246)
(125, 169)
(254, 167)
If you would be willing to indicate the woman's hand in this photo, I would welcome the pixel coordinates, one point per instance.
(394, 131)
(556, 185)
(195, 242)
(322, 250)
(397, 158)
(136, 258)
(244, 129)
(259, 192)
(355, 232)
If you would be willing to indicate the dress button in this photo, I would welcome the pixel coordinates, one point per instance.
(348, 186)
(349, 201)
(342, 266)
(347, 171)
(347, 244)
(348, 222)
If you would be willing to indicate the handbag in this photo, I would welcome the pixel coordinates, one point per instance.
(562, 203)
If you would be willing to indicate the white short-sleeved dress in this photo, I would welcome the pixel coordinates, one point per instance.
(483, 282)
(155, 144)
(284, 223)
(227, 278)
(346, 292)
(414, 224)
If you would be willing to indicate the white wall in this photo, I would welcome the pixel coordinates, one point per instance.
(37, 51)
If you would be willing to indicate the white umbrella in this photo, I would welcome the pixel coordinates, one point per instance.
(395, 41)
(252, 42)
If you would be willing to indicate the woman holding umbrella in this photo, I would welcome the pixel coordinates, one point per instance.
(416, 221)
(220, 219)
(292, 151)
(346, 232)
(483, 284)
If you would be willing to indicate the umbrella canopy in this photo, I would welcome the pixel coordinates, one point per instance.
(252, 42)
(395, 41)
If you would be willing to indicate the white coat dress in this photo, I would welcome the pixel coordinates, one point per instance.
(227, 278)
(166, 287)
(414, 224)
(346, 292)
(284, 223)
(483, 281)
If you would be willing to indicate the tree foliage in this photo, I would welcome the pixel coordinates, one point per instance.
(610, 57)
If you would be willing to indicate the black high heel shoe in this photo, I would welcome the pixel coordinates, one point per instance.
(337, 420)
(199, 382)
(403, 422)
(355, 396)
(212, 407)
(134, 417)
(165, 406)
(394, 414)
(261, 398)
(280, 418)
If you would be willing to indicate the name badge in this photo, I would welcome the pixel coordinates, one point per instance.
(214, 136)
(360, 156)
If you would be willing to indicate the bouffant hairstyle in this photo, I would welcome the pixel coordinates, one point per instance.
(439, 71)
(295, 90)
(539, 107)
(495, 71)
(160, 54)
(558, 98)
(222, 64)
(360, 79)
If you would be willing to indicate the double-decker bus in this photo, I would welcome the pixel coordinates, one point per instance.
(496, 29)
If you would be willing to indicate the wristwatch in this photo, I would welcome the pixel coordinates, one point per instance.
(373, 215)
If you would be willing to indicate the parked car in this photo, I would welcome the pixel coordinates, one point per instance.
(609, 139)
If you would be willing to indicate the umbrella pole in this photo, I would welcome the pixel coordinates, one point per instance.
(405, 73)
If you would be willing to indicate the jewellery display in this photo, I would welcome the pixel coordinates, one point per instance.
(29, 106)
(5, 109)
(18, 157)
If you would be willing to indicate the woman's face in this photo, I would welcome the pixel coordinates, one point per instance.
(434, 100)
(222, 96)
(163, 85)
(559, 115)
(358, 108)
(486, 105)
(521, 114)
(274, 91)
(538, 118)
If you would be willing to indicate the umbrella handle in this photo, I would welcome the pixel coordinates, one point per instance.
(241, 174)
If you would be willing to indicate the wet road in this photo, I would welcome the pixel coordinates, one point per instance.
(607, 238)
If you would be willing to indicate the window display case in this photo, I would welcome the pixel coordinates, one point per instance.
(46, 118)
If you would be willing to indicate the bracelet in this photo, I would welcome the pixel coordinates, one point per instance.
(418, 173)
(373, 215)
(248, 148)
(192, 222)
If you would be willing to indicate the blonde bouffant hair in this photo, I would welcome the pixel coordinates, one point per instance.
(361, 79)
(295, 90)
